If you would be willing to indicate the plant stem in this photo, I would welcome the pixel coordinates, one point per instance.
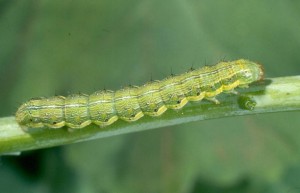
(271, 95)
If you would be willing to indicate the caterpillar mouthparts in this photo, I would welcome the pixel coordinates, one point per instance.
(130, 104)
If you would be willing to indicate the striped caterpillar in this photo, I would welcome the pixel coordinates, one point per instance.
(130, 104)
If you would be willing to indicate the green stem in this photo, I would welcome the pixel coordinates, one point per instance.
(271, 95)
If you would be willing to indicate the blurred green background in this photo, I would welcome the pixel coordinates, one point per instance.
(62, 47)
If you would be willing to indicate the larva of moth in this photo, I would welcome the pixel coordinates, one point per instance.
(130, 104)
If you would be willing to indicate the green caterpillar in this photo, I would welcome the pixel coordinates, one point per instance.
(130, 104)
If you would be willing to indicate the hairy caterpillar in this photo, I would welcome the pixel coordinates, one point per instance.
(130, 104)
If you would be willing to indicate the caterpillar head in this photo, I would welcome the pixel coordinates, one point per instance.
(250, 72)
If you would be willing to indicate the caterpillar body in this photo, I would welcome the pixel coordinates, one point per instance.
(130, 104)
